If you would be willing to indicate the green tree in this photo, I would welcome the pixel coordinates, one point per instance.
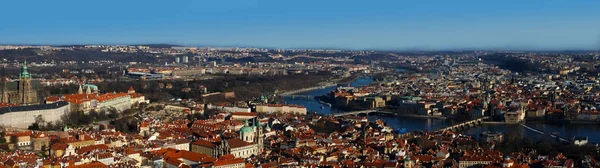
(38, 124)
(101, 127)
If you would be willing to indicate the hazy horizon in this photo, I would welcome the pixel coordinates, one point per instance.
(357, 25)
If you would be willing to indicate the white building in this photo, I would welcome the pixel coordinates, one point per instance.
(580, 141)
(280, 108)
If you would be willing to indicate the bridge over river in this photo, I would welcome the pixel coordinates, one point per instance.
(367, 112)
(463, 125)
(293, 97)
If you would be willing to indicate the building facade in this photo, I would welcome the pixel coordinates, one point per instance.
(280, 108)
(250, 142)
(20, 92)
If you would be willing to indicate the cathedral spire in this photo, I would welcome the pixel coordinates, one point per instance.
(88, 90)
(80, 91)
(24, 72)
(3, 97)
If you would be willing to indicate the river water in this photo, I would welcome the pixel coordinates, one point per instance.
(428, 124)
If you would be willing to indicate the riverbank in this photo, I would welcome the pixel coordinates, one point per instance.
(387, 113)
(323, 85)
(579, 122)
(414, 122)
(307, 89)
(493, 122)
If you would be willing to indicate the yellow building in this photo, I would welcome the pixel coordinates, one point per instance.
(280, 108)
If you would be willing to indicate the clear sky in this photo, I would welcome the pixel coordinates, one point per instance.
(352, 24)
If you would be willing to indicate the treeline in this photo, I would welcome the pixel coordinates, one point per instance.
(38, 55)
(511, 63)
(245, 87)
(121, 120)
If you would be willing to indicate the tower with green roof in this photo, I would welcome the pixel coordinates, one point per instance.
(407, 161)
(24, 73)
(259, 135)
(26, 93)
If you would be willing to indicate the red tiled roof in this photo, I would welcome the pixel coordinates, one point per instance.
(236, 143)
(90, 165)
(204, 143)
(228, 162)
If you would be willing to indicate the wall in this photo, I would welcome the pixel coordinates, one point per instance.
(22, 119)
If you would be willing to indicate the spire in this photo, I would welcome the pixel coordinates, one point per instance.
(88, 90)
(80, 91)
(24, 72)
(4, 99)
(131, 90)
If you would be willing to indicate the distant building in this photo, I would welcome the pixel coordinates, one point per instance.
(88, 100)
(580, 140)
(249, 143)
(188, 72)
(280, 108)
(185, 59)
(22, 92)
(514, 116)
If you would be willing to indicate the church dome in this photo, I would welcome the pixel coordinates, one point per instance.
(246, 128)
(91, 86)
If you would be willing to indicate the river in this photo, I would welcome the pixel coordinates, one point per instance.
(427, 124)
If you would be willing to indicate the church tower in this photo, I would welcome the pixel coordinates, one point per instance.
(4, 96)
(407, 162)
(88, 90)
(26, 93)
(259, 136)
(80, 90)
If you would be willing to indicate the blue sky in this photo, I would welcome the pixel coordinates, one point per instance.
(352, 24)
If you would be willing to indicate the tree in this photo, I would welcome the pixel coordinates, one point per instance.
(38, 124)
(113, 113)
(34, 126)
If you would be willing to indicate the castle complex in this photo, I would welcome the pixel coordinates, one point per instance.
(20, 92)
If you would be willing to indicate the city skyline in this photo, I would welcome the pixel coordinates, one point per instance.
(384, 25)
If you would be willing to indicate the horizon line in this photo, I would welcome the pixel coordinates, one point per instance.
(405, 49)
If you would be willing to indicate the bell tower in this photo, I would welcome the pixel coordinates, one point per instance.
(26, 93)
(4, 96)
(259, 136)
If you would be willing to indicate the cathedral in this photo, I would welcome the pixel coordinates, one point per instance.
(21, 92)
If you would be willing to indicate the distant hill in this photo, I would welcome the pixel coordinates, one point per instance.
(149, 45)
(78, 55)
(75, 45)
(159, 45)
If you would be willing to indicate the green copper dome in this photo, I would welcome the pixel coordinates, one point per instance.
(246, 128)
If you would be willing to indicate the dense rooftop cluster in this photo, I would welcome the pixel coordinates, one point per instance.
(285, 140)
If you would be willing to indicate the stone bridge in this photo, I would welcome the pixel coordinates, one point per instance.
(360, 112)
(467, 124)
(293, 97)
